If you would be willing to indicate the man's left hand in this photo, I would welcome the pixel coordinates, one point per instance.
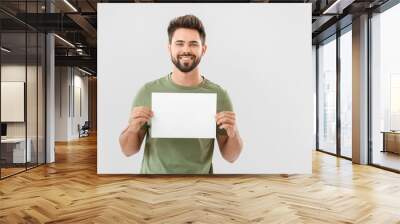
(227, 121)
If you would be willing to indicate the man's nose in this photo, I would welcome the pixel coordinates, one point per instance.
(186, 49)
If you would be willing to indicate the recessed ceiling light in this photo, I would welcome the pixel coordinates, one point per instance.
(338, 6)
(70, 5)
(84, 71)
(5, 49)
(64, 40)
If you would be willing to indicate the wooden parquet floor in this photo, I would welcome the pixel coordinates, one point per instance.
(70, 191)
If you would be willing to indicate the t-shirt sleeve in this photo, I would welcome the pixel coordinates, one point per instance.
(224, 104)
(141, 99)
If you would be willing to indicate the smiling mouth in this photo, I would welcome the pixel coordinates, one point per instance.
(186, 57)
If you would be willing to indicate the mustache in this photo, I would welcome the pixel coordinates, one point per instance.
(184, 55)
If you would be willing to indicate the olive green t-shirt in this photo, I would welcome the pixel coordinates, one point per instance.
(179, 155)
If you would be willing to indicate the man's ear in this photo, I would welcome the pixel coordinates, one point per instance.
(169, 48)
(204, 49)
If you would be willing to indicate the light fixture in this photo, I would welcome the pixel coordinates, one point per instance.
(70, 5)
(338, 6)
(79, 51)
(5, 50)
(84, 71)
(64, 40)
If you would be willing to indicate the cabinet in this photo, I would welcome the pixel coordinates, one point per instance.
(391, 142)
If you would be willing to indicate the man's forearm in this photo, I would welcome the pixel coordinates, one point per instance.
(232, 148)
(130, 142)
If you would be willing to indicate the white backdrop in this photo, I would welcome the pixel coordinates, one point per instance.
(260, 53)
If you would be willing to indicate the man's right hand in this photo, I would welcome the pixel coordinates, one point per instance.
(139, 116)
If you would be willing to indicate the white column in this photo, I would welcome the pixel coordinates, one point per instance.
(50, 110)
(360, 90)
(50, 101)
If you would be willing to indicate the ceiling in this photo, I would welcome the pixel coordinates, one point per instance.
(76, 22)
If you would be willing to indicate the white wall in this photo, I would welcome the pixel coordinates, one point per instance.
(68, 81)
(61, 103)
(259, 54)
(80, 84)
(314, 73)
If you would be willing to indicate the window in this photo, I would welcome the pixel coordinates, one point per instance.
(385, 89)
(327, 96)
(346, 93)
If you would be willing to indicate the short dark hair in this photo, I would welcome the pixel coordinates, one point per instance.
(188, 22)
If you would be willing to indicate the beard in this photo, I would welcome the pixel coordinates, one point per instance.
(186, 66)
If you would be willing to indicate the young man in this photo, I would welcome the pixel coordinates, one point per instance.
(181, 156)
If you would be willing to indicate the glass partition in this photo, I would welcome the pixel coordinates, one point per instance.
(22, 77)
(13, 109)
(327, 96)
(346, 94)
(385, 89)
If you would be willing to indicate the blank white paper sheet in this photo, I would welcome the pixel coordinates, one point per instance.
(183, 115)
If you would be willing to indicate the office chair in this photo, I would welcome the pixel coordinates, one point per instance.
(84, 130)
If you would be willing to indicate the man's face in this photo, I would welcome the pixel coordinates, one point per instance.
(186, 49)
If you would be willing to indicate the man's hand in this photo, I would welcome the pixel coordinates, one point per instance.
(230, 145)
(132, 137)
(227, 121)
(139, 116)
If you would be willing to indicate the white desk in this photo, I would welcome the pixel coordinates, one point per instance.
(18, 149)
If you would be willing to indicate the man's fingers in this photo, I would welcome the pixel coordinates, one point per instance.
(142, 109)
(225, 114)
(229, 129)
(226, 126)
(225, 117)
(140, 120)
(148, 113)
(226, 123)
(141, 117)
(141, 114)
(226, 120)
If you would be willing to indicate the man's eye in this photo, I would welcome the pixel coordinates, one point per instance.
(179, 44)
